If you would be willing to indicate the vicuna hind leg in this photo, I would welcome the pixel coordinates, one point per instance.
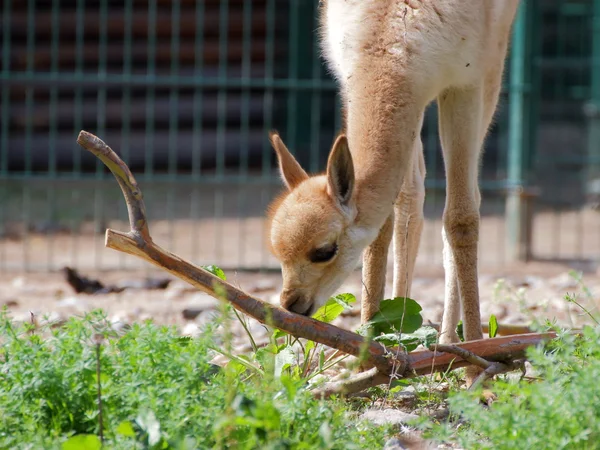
(460, 120)
(408, 223)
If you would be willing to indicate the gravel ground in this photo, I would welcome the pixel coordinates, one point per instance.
(514, 294)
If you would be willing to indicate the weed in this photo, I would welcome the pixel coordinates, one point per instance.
(158, 390)
(558, 409)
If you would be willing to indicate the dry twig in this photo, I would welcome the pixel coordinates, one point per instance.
(384, 363)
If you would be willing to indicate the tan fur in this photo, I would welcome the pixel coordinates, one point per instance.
(392, 58)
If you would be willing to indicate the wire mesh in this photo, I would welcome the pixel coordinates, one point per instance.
(186, 93)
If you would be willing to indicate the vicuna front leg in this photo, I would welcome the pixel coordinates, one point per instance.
(460, 119)
(374, 271)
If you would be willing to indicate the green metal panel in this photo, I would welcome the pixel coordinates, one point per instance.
(520, 141)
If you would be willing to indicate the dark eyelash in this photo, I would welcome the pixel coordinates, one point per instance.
(323, 254)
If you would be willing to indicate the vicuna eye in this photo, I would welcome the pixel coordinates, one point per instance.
(323, 254)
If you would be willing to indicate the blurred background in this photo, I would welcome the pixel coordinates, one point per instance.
(186, 92)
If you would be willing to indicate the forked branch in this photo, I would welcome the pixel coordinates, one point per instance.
(385, 363)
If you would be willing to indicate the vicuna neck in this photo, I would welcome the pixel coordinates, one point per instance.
(381, 150)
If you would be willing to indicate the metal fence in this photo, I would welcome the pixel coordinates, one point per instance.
(186, 91)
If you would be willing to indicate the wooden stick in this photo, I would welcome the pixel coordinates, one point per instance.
(138, 242)
(385, 363)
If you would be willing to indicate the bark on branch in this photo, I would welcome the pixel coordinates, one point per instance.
(385, 363)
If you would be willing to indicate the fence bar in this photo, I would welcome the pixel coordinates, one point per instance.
(268, 115)
(517, 216)
(593, 108)
(150, 94)
(4, 119)
(242, 207)
(5, 90)
(173, 120)
(221, 125)
(154, 80)
(197, 126)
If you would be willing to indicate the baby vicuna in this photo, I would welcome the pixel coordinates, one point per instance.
(392, 58)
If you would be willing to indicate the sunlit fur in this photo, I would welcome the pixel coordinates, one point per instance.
(391, 59)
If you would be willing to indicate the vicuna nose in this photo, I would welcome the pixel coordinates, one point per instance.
(295, 301)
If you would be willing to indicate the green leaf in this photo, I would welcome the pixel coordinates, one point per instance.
(308, 347)
(277, 333)
(236, 367)
(334, 307)
(126, 429)
(427, 335)
(265, 356)
(408, 341)
(459, 330)
(424, 335)
(395, 315)
(215, 271)
(493, 326)
(82, 442)
(284, 359)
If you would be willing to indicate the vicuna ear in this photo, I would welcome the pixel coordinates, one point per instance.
(340, 171)
(290, 170)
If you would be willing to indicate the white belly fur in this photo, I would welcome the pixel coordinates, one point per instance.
(341, 39)
(447, 56)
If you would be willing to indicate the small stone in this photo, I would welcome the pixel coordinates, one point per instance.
(11, 302)
(191, 329)
(175, 293)
(18, 282)
(394, 444)
(190, 313)
(120, 326)
(198, 304)
(389, 416)
(563, 281)
(407, 398)
(202, 302)
(440, 414)
(73, 302)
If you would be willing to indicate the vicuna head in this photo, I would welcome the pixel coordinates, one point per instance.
(313, 229)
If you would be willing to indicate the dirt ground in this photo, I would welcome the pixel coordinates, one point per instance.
(31, 279)
(514, 294)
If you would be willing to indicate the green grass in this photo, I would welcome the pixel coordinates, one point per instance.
(559, 408)
(158, 390)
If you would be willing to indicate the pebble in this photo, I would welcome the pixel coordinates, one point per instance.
(18, 282)
(388, 416)
(394, 444)
(407, 398)
(120, 326)
(563, 281)
(198, 305)
(191, 329)
(74, 302)
(202, 302)
(273, 299)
